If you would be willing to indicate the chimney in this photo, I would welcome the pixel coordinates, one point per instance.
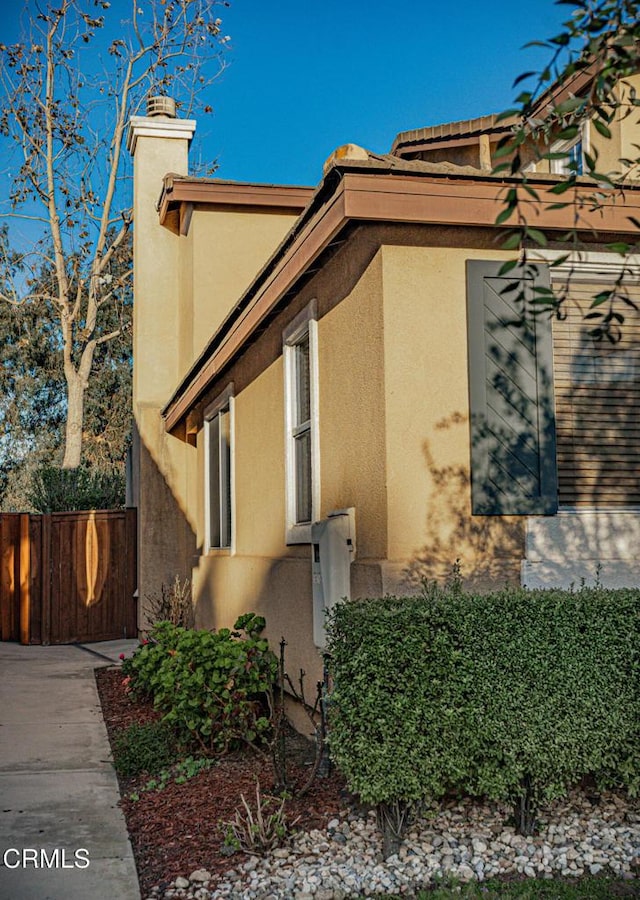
(159, 144)
(161, 121)
(161, 106)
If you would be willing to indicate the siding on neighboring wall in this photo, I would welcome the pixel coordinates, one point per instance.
(597, 391)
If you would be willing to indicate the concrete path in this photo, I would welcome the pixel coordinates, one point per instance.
(62, 833)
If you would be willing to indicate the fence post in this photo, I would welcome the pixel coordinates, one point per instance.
(25, 579)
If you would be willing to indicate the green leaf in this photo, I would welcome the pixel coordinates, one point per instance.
(620, 247)
(508, 266)
(569, 106)
(536, 235)
(567, 134)
(522, 77)
(601, 128)
(506, 213)
(530, 190)
(561, 187)
(506, 150)
(560, 259)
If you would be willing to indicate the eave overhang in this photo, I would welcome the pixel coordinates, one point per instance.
(181, 193)
(352, 195)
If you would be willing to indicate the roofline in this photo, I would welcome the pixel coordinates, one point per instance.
(564, 88)
(454, 134)
(179, 189)
(347, 195)
(449, 134)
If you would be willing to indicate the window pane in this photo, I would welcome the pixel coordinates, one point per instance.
(225, 478)
(214, 481)
(303, 388)
(302, 444)
(575, 158)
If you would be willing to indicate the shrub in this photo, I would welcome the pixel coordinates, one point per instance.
(210, 685)
(144, 748)
(62, 490)
(260, 829)
(513, 695)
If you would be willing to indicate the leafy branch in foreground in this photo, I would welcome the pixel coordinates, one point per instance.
(588, 81)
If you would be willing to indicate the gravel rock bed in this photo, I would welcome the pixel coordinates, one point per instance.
(465, 840)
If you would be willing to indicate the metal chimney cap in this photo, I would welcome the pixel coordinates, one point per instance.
(161, 106)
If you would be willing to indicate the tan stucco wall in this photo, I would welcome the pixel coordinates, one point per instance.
(226, 248)
(166, 522)
(427, 424)
(352, 414)
(630, 127)
(394, 438)
(185, 285)
(156, 273)
(264, 574)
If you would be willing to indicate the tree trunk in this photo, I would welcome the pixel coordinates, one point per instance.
(75, 417)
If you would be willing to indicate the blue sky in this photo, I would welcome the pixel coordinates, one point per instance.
(306, 76)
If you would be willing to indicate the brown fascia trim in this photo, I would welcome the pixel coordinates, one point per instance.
(366, 196)
(574, 86)
(178, 190)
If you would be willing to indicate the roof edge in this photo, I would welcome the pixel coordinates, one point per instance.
(177, 189)
(369, 192)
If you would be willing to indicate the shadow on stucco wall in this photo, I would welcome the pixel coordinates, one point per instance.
(490, 549)
(166, 541)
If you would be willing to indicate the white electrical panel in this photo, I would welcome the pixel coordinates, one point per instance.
(333, 548)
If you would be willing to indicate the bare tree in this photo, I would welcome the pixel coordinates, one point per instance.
(68, 89)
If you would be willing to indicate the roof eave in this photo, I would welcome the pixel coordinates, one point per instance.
(362, 194)
(178, 189)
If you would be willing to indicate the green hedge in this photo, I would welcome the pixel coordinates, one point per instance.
(61, 490)
(514, 695)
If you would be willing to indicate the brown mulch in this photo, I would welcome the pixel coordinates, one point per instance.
(178, 829)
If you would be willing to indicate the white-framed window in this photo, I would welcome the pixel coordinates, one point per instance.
(302, 447)
(572, 162)
(219, 472)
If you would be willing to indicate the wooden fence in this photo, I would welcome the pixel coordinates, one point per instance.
(68, 577)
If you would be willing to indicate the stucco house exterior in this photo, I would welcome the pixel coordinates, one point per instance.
(301, 352)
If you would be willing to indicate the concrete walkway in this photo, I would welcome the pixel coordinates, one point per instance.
(62, 833)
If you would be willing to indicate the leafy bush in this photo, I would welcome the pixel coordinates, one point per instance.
(62, 490)
(210, 685)
(513, 695)
(144, 748)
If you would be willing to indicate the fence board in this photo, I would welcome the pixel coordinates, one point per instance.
(10, 576)
(36, 585)
(68, 577)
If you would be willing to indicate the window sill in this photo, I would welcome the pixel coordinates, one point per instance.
(298, 534)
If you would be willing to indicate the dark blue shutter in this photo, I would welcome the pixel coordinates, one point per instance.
(513, 445)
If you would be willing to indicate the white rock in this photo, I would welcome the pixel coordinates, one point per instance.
(200, 875)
